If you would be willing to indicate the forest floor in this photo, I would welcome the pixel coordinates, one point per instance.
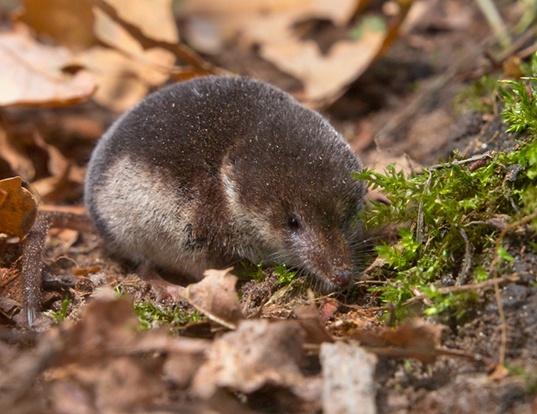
(409, 107)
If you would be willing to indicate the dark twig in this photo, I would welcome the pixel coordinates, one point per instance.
(419, 224)
(465, 288)
(467, 260)
(179, 50)
(32, 254)
(480, 157)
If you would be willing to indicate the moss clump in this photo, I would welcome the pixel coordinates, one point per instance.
(449, 216)
(152, 315)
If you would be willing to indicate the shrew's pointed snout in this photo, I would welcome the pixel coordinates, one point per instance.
(341, 278)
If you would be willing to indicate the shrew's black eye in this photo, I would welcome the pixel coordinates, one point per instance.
(293, 223)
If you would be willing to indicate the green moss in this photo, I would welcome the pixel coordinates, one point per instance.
(60, 315)
(286, 276)
(152, 315)
(445, 214)
(478, 96)
(248, 271)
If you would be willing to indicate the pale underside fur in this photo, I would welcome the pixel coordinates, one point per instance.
(154, 208)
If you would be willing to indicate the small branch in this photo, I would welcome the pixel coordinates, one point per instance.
(465, 288)
(33, 262)
(467, 260)
(480, 157)
(483, 285)
(402, 352)
(503, 325)
(179, 50)
(464, 354)
(419, 224)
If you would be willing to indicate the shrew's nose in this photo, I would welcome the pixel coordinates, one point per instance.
(341, 278)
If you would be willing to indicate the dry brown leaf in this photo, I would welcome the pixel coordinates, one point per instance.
(18, 209)
(123, 81)
(414, 339)
(20, 373)
(272, 26)
(123, 68)
(379, 160)
(32, 74)
(127, 71)
(295, 8)
(11, 296)
(98, 363)
(196, 65)
(69, 23)
(324, 75)
(106, 333)
(9, 309)
(258, 353)
(156, 62)
(257, 21)
(154, 18)
(57, 163)
(123, 386)
(53, 189)
(499, 373)
(181, 366)
(215, 296)
(20, 164)
(64, 237)
(102, 361)
(28, 155)
(57, 188)
(308, 318)
(106, 323)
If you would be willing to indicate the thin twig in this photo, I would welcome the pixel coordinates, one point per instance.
(485, 156)
(503, 325)
(465, 288)
(420, 221)
(464, 354)
(483, 285)
(179, 50)
(466, 261)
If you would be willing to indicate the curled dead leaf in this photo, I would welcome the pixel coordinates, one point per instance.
(69, 23)
(125, 47)
(324, 75)
(309, 319)
(107, 323)
(18, 209)
(272, 27)
(32, 73)
(499, 373)
(216, 297)
(414, 339)
(258, 353)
